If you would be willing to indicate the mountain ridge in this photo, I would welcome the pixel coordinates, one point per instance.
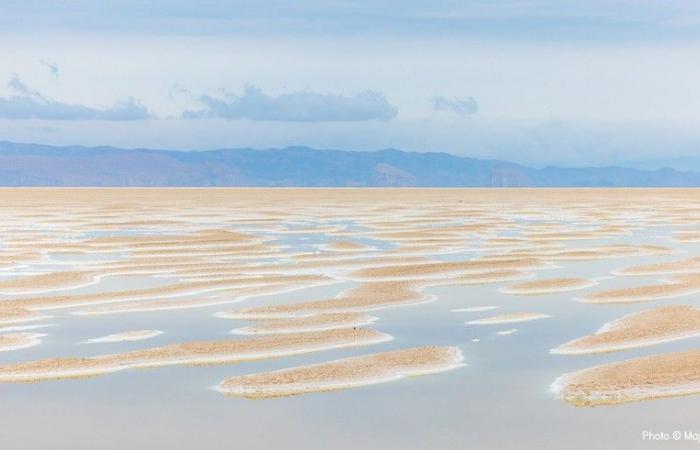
(298, 166)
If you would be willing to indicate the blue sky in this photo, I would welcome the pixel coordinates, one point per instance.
(538, 82)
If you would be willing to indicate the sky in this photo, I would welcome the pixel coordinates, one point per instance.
(537, 82)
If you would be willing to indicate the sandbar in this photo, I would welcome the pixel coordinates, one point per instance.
(191, 353)
(317, 322)
(651, 377)
(16, 341)
(547, 286)
(344, 373)
(640, 329)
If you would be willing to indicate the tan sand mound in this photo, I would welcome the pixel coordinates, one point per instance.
(642, 293)
(367, 297)
(689, 265)
(639, 329)
(303, 324)
(444, 269)
(344, 373)
(647, 378)
(9, 315)
(16, 341)
(345, 246)
(191, 353)
(547, 286)
(46, 282)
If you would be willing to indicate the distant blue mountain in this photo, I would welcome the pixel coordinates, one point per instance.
(42, 165)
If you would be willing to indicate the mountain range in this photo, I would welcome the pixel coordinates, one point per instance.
(43, 165)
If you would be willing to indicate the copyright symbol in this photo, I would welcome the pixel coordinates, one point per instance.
(676, 435)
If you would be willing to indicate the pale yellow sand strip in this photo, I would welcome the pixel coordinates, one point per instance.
(46, 282)
(444, 269)
(303, 324)
(508, 318)
(16, 341)
(639, 329)
(191, 353)
(220, 298)
(10, 315)
(366, 297)
(547, 286)
(651, 377)
(173, 290)
(126, 336)
(641, 293)
(346, 246)
(345, 373)
(689, 265)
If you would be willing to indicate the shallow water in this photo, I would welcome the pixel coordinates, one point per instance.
(500, 399)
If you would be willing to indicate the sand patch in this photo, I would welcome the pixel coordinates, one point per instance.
(16, 341)
(10, 315)
(220, 298)
(191, 353)
(445, 269)
(689, 265)
(127, 336)
(642, 293)
(651, 377)
(46, 282)
(303, 324)
(366, 297)
(173, 290)
(345, 373)
(347, 246)
(508, 318)
(547, 286)
(639, 329)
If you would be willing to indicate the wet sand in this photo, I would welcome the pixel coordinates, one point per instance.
(344, 373)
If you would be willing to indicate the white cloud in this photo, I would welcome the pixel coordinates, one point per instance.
(296, 107)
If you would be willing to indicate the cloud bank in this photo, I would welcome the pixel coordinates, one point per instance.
(27, 103)
(463, 107)
(296, 107)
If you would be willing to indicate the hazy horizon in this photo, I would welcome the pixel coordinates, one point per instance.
(535, 82)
